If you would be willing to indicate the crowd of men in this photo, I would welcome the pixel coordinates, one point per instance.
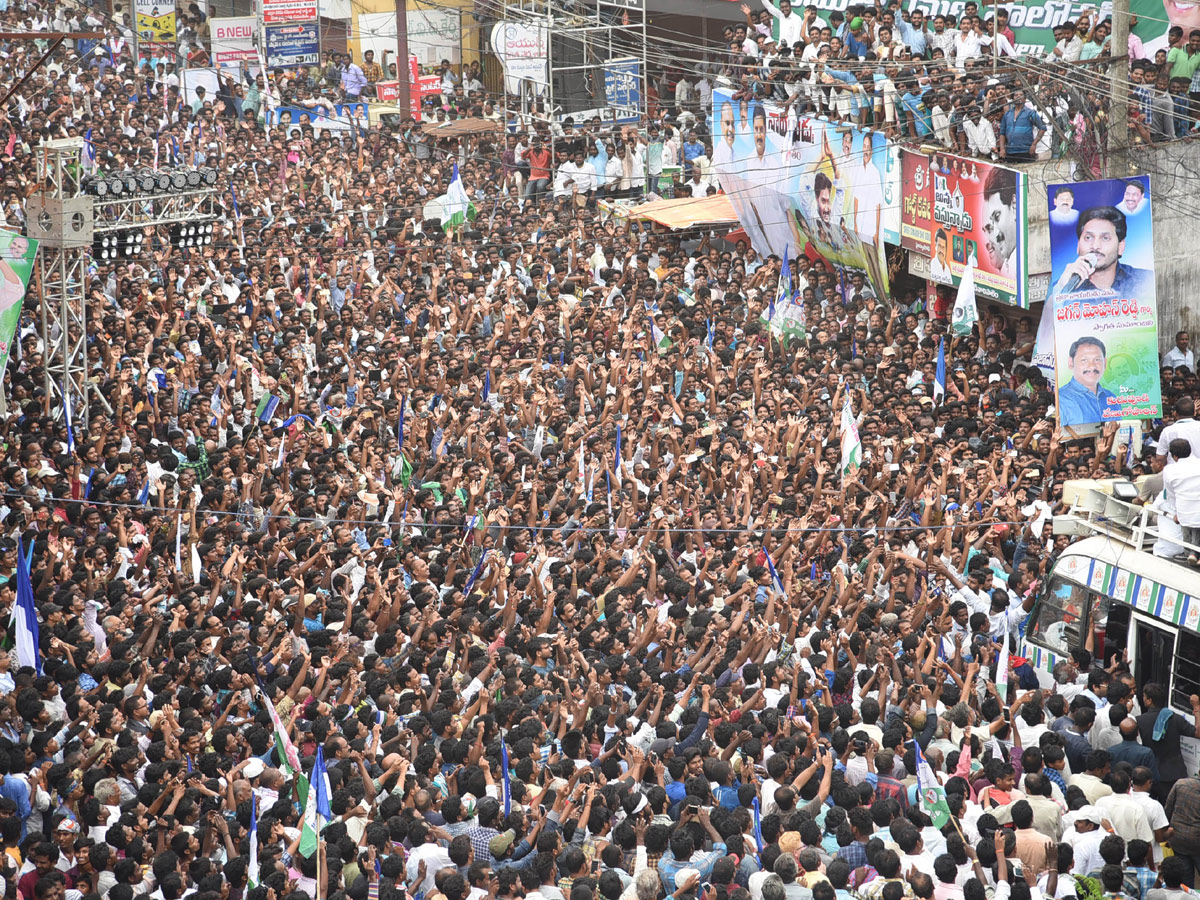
(532, 542)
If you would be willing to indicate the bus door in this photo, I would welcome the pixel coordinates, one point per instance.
(1153, 649)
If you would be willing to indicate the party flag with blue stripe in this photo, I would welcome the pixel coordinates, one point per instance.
(487, 385)
(66, 395)
(24, 623)
(475, 574)
(144, 495)
(507, 786)
(400, 424)
(939, 379)
(775, 579)
(617, 451)
(758, 839)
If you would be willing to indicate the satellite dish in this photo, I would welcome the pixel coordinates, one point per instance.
(436, 209)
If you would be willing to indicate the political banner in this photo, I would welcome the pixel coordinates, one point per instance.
(155, 21)
(803, 182)
(294, 44)
(962, 212)
(1105, 303)
(17, 253)
(1033, 21)
(233, 42)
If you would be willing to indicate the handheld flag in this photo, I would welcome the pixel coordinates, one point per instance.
(1001, 676)
(458, 204)
(24, 623)
(507, 787)
(67, 415)
(662, 343)
(939, 379)
(851, 443)
(475, 574)
(289, 757)
(252, 867)
(400, 424)
(617, 452)
(966, 313)
(487, 385)
(775, 579)
(266, 408)
(316, 806)
(144, 496)
(758, 840)
(931, 795)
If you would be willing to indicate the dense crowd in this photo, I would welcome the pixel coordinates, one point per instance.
(547, 553)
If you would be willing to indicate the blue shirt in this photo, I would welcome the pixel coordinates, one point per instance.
(669, 866)
(913, 39)
(915, 104)
(1079, 406)
(1018, 130)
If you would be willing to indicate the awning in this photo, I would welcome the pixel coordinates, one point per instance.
(686, 212)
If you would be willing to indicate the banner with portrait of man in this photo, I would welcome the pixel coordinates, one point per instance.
(1105, 304)
(801, 182)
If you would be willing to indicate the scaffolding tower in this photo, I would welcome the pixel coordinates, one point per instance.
(596, 58)
(65, 219)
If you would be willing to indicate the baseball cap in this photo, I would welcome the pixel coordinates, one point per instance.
(499, 845)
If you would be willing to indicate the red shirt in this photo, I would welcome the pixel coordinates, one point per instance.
(539, 164)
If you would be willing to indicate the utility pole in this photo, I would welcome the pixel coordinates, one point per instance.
(404, 85)
(1118, 112)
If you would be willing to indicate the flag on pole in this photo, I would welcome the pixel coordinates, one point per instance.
(851, 443)
(475, 574)
(316, 806)
(24, 623)
(400, 425)
(487, 385)
(506, 786)
(458, 204)
(252, 867)
(966, 313)
(931, 795)
(758, 826)
(939, 379)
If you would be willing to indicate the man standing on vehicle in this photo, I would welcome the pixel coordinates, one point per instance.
(1181, 484)
(1185, 426)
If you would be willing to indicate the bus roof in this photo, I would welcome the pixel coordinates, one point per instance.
(1151, 584)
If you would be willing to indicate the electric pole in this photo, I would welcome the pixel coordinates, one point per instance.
(1118, 110)
(404, 85)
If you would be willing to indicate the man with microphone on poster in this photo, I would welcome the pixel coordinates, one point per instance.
(1105, 308)
(1100, 233)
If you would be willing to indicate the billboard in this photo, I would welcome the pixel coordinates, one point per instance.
(523, 50)
(155, 24)
(1033, 21)
(277, 11)
(16, 268)
(959, 210)
(294, 44)
(798, 182)
(1105, 304)
(233, 42)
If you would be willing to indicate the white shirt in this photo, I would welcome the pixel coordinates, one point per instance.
(435, 858)
(1126, 816)
(1187, 429)
(582, 176)
(1181, 481)
(967, 47)
(1176, 357)
(1156, 817)
(981, 138)
(791, 26)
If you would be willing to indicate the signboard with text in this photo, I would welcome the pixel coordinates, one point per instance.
(233, 42)
(277, 11)
(295, 44)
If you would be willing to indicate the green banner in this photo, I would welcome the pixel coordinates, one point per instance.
(16, 268)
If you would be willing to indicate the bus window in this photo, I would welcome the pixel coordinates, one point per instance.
(1057, 620)
(1187, 670)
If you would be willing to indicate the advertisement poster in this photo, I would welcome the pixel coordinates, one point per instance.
(277, 11)
(796, 182)
(1105, 304)
(16, 268)
(622, 87)
(155, 24)
(297, 44)
(233, 42)
(958, 211)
